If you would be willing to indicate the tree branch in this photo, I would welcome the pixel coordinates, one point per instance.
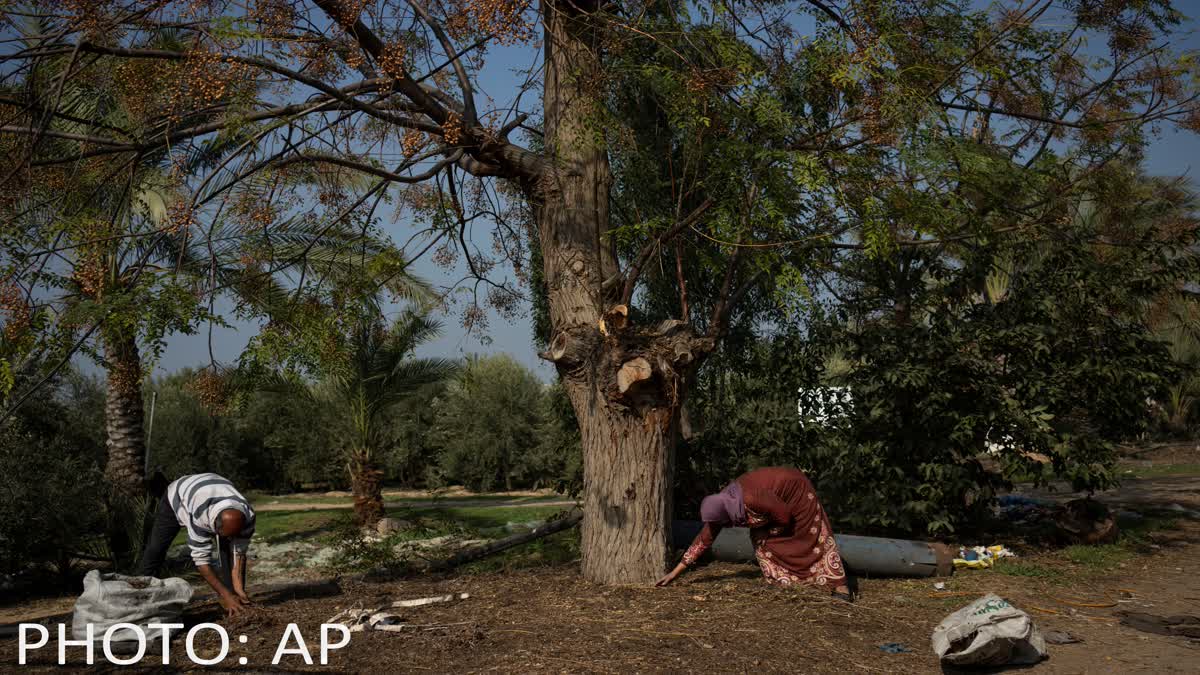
(634, 270)
(464, 82)
(339, 160)
(82, 138)
(350, 21)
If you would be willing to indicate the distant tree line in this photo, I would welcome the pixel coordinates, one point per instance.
(493, 426)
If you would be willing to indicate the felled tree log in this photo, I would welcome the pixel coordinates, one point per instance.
(475, 553)
(870, 556)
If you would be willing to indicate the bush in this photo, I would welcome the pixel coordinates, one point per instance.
(50, 507)
(1055, 363)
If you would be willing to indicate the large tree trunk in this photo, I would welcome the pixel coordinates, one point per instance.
(626, 465)
(627, 475)
(626, 388)
(124, 469)
(623, 381)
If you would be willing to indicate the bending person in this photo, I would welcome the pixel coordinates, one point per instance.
(792, 538)
(210, 508)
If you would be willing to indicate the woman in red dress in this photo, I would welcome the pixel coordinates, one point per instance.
(790, 531)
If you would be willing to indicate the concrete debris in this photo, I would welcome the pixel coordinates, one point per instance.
(359, 620)
(419, 602)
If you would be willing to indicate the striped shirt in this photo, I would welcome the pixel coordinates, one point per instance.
(198, 501)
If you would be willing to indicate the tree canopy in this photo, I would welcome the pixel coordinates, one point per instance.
(742, 154)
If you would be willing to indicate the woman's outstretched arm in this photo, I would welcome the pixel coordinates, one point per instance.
(700, 544)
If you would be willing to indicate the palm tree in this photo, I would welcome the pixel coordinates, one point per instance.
(124, 249)
(377, 372)
(103, 225)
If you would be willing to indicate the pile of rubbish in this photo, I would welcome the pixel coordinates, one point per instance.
(1018, 509)
(981, 557)
(1082, 521)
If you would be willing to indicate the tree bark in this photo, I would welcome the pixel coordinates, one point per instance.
(124, 468)
(366, 484)
(627, 475)
(627, 462)
(628, 433)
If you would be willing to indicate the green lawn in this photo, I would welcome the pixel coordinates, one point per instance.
(261, 498)
(478, 517)
(277, 526)
(1159, 470)
(282, 525)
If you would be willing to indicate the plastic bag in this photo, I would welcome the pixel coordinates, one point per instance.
(988, 632)
(108, 599)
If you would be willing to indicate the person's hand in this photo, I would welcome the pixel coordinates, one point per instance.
(233, 604)
(666, 580)
(243, 597)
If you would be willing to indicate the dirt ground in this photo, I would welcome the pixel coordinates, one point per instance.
(722, 618)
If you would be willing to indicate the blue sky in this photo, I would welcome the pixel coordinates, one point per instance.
(1172, 153)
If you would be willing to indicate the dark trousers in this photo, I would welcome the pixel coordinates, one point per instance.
(162, 532)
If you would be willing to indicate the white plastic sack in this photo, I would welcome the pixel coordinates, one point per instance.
(115, 598)
(988, 632)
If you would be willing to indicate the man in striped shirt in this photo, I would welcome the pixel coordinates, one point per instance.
(210, 509)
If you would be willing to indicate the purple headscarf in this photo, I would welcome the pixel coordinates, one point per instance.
(724, 508)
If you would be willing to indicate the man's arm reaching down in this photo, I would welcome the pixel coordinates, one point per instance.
(240, 548)
(232, 603)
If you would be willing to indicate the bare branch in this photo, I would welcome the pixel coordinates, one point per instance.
(635, 267)
(340, 160)
(464, 82)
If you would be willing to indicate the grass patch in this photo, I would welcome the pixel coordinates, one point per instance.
(484, 499)
(557, 549)
(263, 498)
(1158, 470)
(1082, 559)
(357, 553)
(282, 525)
(1136, 532)
(430, 522)
(478, 518)
(277, 526)
(1099, 558)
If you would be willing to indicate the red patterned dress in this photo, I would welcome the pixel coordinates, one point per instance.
(790, 531)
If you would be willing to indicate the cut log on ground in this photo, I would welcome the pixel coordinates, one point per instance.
(485, 550)
(867, 556)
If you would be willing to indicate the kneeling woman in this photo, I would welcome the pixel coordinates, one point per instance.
(790, 531)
